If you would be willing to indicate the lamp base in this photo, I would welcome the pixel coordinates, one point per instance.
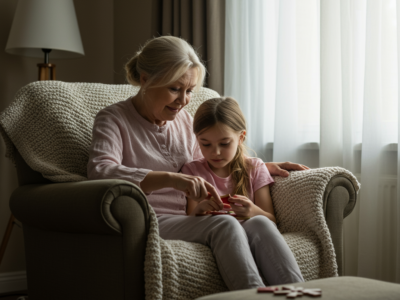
(47, 71)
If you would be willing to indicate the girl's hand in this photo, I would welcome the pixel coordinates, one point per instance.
(244, 207)
(282, 168)
(195, 187)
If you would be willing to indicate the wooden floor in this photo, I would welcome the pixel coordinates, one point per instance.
(14, 295)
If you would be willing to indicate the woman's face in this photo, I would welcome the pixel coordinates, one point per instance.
(164, 103)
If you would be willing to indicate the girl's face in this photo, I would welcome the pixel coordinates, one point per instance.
(164, 103)
(219, 145)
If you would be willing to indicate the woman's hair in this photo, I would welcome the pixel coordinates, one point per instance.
(164, 60)
(226, 111)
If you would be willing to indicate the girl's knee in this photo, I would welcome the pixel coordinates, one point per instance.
(260, 223)
(230, 224)
(228, 221)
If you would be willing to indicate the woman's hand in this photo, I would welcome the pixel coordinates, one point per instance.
(244, 207)
(195, 187)
(282, 168)
(209, 204)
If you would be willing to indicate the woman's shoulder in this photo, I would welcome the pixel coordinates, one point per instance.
(185, 117)
(116, 109)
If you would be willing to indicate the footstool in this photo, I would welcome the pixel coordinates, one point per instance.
(334, 288)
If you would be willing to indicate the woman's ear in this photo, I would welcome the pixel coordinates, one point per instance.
(143, 79)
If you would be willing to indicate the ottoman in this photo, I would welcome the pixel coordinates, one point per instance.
(334, 288)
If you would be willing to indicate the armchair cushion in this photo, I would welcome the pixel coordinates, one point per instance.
(298, 204)
(297, 200)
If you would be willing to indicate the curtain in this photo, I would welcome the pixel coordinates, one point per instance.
(202, 24)
(318, 84)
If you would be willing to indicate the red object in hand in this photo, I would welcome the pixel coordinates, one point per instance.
(225, 198)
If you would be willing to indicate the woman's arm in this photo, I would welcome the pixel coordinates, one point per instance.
(282, 168)
(194, 208)
(194, 187)
(156, 180)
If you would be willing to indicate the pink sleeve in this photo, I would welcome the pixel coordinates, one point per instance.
(197, 152)
(196, 147)
(186, 169)
(105, 152)
(261, 176)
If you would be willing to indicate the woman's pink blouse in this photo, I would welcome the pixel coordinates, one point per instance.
(127, 146)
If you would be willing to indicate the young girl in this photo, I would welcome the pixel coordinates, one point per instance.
(220, 128)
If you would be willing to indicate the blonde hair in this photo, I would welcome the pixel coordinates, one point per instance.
(227, 111)
(164, 60)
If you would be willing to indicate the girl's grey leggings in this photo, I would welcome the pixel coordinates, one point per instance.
(238, 248)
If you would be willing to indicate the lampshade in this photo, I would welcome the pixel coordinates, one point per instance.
(45, 24)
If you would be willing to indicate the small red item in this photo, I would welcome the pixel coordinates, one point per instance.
(224, 198)
(267, 289)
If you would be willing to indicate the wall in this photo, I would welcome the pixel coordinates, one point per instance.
(132, 28)
(97, 32)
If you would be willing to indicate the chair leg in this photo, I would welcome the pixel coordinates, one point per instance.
(6, 237)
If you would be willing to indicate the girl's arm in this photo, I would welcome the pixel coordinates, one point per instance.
(262, 205)
(262, 198)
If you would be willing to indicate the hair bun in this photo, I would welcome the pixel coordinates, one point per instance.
(164, 60)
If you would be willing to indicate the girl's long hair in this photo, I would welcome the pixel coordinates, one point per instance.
(226, 110)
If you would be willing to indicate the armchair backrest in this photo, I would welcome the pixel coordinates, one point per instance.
(48, 127)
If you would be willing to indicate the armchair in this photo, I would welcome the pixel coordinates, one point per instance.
(99, 239)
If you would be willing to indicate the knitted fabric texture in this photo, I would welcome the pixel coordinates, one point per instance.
(50, 124)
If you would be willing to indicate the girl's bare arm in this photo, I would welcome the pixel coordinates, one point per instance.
(262, 198)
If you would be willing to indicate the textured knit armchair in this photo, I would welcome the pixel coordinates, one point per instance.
(99, 239)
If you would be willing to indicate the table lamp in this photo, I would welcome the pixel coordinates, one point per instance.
(40, 27)
(43, 26)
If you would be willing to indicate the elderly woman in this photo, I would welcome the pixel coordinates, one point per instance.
(147, 138)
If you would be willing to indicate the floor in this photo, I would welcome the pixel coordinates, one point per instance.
(15, 296)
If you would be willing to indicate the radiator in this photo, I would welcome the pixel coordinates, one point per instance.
(386, 240)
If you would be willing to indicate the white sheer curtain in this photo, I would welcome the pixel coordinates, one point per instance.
(318, 83)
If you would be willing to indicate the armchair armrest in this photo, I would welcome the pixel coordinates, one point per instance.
(74, 207)
(338, 202)
(316, 200)
(89, 235)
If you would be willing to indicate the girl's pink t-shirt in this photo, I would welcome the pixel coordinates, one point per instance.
(259, 176)
(127, 146)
